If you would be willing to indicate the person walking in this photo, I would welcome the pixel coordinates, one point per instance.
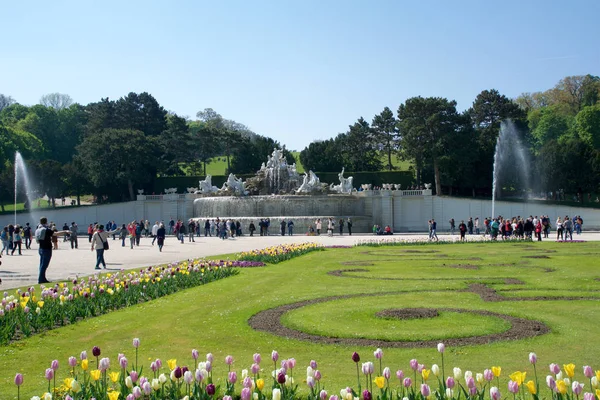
(330, 226)
(100, 243)
(452, 226)
(161, 233)
(73, 235)
(433, 230)
(559, 229)
(44, 235)
(171, 226)
(207, 228)
(4, 239)
(27, 236)
(462, 228)
(123, 234)
(17, 240)
(154, 230)
(181, 231)
(132, 232)
(90, 232)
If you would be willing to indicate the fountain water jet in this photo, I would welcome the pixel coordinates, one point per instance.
(24, 177)
(508, 148)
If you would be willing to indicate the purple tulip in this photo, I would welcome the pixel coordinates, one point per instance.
(67, 397)
(313, 364)
(245, 395)
(577, 388)
(255, 368)
(554, 368)
(232, 377)
(407, 382)
(513, 387)
(123, 363)
(366, 395)
(310, 381)
(588, 372)
(247, 382)
(291, 363)
(334, 397)
(104, 364)
(323, 395)
(54, 365)
(18, 379)
(134, 375)
(198, 375)
(274, 355)
(470, 382)
(49, 374)
(281, 378)
(136, 342)
(284, 365)
(229, 360)
(550, 382)
(425, 391)
(143, 380)
(158, 363)
(414, 364)
(450, 382)
(137, 392)
(387, 373)
(355, 357)
(488, 375)
(420, 368)
(184, 369)
(589, 396)
(72, 361)
(532, 358)
(177, 373)
(227, 397)
(378, 353)
(195, 354)
(209, 357)
(208, 366)
(400, 374)
(441, 347)
(210, 389)
(147, 388)
(96, 351)
(153, 366)
(130, 396)
(317, 375)
(473, 391)
(495, 393)
(256, 358)
(83, 355)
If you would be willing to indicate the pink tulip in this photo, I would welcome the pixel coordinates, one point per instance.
(247, 382)
(54, 365)
(153, 366)
(488, 375)
(195, 354)
(513, 387)
(147, 388)
(130, 397)
(588, 372)
(274, 355)
(158, 363)
(291, 363)
(137, 392)
(310, 381)
(387, 373)
(473, 391)
(227, 397)
(400, 374)
(136, 342)
(198, 375)
(378, 354)
(256, 358)
(532, 358)
(255, 368)
(323, 395)
(414, 364)
(246, 393)
(470, 382)
(577, 388)
(495, 393)
(550, 382)
(134, 376)
(425, 391)
(317, 375)
(450, 382)
(589, 396)
(313, 364)
(334, 397)
(232, 377)
(49, 374)
(407, 382)
(123, 363)
(18, 379)
(554, 368)
(229, 360)
(209, 357)
(72, 361)
(441, 347)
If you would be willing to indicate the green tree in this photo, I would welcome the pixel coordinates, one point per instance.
(253, 151)
(174, 146)
(141, 112)
(101, 115)
(384, 127)
(323, 156)
(587, 125)
(205, 142)
(5, 101)
(117, 159)
(57, 101)
(359, 148)
(549, 123)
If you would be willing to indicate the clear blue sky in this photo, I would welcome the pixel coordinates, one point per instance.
(295, 71)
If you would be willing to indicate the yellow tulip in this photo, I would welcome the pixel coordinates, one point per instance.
(424, 373)
(598, 393)
(113, 395)
(569, 369)
(531, 387)
(380, 381)
(518, 377)
(598, 374)
(68, 382)
(40, 304)
(84, 364)
(114, 376)
(561, 386)
(95, 374)
(172, 363)
(260, 384)
(75, 386)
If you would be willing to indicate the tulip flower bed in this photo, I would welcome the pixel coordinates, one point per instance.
(490, 304)
(27, 312)
(93, 378)
(277, 254)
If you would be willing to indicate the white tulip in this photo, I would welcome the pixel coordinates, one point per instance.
(479, 378)
(276, 394)
(449, 393)
(457, 373)
(435, 369)
(155, 384)
(310, 372)
(468, 374)
(244, 374)
(594, 382)
(128, 382)
(162, 378)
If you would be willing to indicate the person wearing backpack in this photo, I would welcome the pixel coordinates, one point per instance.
(100, 242)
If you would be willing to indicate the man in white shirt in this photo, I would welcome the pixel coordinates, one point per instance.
(154, 232)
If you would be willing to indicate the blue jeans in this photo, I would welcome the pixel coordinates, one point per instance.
(45, 257)
(100, 258)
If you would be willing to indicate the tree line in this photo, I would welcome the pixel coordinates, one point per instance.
(559, 128)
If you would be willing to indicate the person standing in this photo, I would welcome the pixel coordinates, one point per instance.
(251, 228)
(559, 229)
(17, 240)
(171, 226)
(463, 230)
(181, 231)
(123, 234)
(283, 224)
(138, 232)
(100, 242)
(90, 232)
(4, 239)
(470, 225)
(318, 226)
(452, 226)
(290, 226)
(330, 226)
(73, 235)
(341, 226)
(154, 230)
(207, 228)
(27, 236)
(43, 236)
(131, 230)
(65, 228)
(160, 236)
(191, 230)
(349, 225)
(477, 225)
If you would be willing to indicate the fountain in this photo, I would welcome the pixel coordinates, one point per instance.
(510, 156)
(24, 177)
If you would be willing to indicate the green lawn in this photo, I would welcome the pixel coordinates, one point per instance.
(214, 317)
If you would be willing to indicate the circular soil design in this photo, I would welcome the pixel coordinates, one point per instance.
(409, 313)
(270, 321)
(463, 266)
(358, 263)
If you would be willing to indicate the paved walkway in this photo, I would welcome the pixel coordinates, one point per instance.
(18, 271)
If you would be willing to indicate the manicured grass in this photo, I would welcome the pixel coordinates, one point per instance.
(214, 317)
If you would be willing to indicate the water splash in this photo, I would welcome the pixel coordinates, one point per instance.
(22, 177)
(510, 156)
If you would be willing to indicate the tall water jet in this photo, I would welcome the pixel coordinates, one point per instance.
(510, 156)
(21, 175)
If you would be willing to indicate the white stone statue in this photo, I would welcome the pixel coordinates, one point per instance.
(192, 190)
(345, 185)
(234, 185)
(428, 186)
(310, 183)
(140, 191)
(206, 187)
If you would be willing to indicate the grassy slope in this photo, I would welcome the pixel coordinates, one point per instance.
(214, 318)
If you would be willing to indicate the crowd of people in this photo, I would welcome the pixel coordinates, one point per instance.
(532, 227)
